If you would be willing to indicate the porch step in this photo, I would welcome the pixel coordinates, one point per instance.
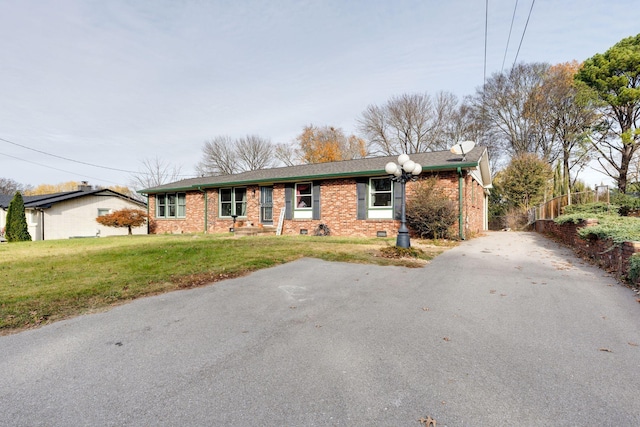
(255, 231)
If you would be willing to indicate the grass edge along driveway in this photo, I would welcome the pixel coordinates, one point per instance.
(46, 281)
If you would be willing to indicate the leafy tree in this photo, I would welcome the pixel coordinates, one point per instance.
(328, 144)
(16, 228)
(52, 188)
(562, 115)
(524, 182)
(409, 123)
(430, 212)
(615, 78)
(223, 155)
(122, 218)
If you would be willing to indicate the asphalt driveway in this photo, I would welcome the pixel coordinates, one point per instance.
(507, 329)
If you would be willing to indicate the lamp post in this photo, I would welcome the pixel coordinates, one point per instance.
(405, 170)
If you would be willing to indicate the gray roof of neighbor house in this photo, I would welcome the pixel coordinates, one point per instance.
(431, 161)
(45, 201)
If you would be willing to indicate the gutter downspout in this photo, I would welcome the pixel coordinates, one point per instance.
(460, 205)
(206, 209)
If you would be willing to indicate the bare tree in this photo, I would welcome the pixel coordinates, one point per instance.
(225, 156)
(255, 153)
(287, 154)
(9, 187)
(501, 105)
(408, 123)
(155, 172)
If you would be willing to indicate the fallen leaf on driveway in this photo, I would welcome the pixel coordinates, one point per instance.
(605, 349)
(446, 338)
(632, 344)
(428, 422)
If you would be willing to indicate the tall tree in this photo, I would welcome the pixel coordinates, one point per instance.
(525, 181)
(16, 228)
(409, 123)
(615, 78)
(223, 155)
(52, 188)
(328, 144)
(155, 172)
(9, 186)
(562, 116)
(501, 104)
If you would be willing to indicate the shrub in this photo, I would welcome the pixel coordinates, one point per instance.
(17, 229)
(430, 213)
(634, 268)
(124, 218)
(627, 205)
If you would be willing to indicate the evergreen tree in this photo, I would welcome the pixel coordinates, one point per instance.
(17, 230)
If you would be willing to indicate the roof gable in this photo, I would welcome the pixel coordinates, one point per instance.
(45, 201)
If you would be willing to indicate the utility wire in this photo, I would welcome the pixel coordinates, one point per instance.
(513, 18)
(523, 32)
(66, 158)
(74, 161)
(61, 170)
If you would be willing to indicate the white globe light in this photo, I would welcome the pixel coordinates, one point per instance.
(398, 172)
(417, 170)
(390, 168)
(402, 159)
(408, 166)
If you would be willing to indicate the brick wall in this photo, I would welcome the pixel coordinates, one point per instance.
(605, 253)
(339, 206)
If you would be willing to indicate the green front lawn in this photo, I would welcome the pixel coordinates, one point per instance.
(51, 280)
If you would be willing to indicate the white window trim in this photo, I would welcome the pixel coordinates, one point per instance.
(381, 210)
(303, 212)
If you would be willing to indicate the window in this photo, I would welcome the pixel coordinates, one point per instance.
(103, 212)
(303, 196)
(170, 205)
(380, 198)
(233, 201)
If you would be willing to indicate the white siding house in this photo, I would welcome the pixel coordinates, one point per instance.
(73, 213)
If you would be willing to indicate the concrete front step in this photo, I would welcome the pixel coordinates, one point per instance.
(254, 231)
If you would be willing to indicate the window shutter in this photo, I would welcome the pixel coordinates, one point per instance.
(361, 190)
(397, 200)
(288, 201)
(315, 193)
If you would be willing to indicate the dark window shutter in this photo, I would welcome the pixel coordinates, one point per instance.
(315, 192)
(397, 200)
(361, 190)
(288, 201)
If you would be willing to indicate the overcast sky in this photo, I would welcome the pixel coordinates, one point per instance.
(112, 83)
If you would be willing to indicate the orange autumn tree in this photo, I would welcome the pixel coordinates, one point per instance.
(124, 218)
(329, 144)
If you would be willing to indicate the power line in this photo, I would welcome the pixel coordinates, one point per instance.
(523, 32)
(513, 18)
(66, 158)
(61, 170)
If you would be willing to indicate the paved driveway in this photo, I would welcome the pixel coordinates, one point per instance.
(508, 329)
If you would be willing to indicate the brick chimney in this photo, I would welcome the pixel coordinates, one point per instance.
(84, 186)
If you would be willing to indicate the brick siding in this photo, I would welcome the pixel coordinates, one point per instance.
(338, 208)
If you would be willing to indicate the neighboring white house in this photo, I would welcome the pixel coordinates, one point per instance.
(72, 213)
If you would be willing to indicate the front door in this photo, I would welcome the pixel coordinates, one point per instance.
(266, 205)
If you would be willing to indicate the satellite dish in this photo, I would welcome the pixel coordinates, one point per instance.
(463, 148)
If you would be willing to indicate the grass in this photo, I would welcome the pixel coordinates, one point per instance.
(47, 281)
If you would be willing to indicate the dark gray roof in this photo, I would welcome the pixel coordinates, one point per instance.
(431, 161)
(45, 201)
